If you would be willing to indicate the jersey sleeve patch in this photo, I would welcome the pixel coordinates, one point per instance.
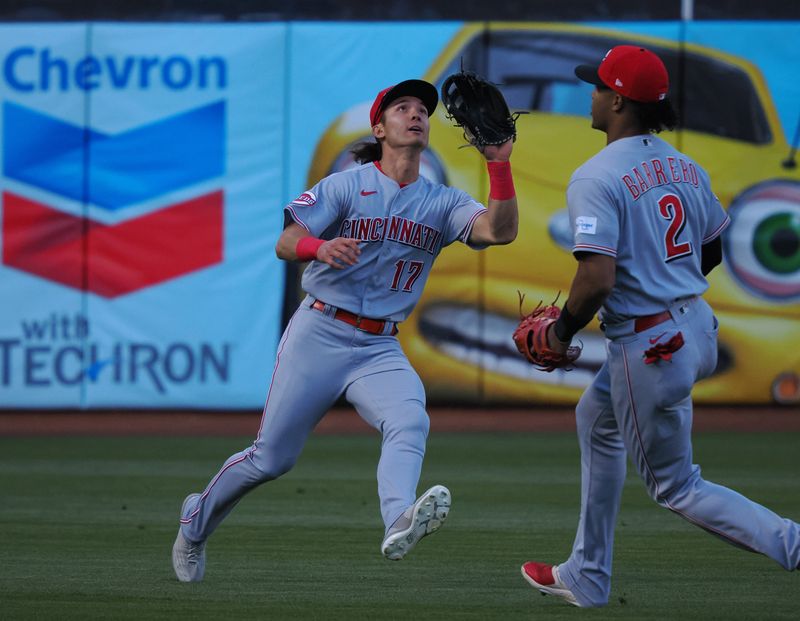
(586, 225)
(306, 199)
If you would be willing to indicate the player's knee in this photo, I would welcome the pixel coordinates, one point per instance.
(419, 422)
(411, 419)
(682, 493)
(271, 465)
(586, 413)
(583, 413)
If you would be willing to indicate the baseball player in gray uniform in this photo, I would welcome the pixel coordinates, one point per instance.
(372, 234)
(646, 233)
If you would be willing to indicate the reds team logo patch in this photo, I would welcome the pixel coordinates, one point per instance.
(306, 199)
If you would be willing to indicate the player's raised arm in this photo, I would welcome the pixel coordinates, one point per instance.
(500, 223)
(479, 108)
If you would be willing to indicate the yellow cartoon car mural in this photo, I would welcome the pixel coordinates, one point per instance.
(459, 337)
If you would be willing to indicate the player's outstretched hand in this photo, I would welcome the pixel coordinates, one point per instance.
(498, 152)
(339, 253)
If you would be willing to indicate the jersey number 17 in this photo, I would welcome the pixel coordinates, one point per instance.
(414, 272)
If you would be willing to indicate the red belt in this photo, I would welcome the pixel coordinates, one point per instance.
(648, 321)
(373, 326)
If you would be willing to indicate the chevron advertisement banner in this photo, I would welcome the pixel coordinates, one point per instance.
(140, 203)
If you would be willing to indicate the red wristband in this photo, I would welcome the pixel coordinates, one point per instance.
(306, 248)
(501, 183)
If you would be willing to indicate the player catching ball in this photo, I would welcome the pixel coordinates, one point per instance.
(372, 234)
(646, 231)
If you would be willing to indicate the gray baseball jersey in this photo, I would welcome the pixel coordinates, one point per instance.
(403, 229)
(651, 207)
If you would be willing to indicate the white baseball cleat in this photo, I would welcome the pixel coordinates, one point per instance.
(424, 517)
(188, 559)
(546, 579)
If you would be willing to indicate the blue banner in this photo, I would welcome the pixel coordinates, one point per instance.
(141, 196)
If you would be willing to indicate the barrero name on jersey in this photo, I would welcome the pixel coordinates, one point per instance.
(656, 173)
(400, 230)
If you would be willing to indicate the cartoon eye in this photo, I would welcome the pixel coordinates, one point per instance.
(762, 246)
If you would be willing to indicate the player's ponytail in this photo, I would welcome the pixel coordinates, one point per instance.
(367, 151)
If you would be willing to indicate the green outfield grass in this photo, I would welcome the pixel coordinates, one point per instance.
(87, 525)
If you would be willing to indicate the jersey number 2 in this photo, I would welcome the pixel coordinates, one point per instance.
(671, 208)
(414, 272)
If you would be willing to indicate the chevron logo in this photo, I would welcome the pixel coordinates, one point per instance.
(112, 173)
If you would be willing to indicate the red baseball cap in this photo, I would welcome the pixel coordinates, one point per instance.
(631, 71)
(422, 90)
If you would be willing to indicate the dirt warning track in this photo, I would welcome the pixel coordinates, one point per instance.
(345, 420)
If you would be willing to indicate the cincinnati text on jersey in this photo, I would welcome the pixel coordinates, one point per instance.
(400, 230)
